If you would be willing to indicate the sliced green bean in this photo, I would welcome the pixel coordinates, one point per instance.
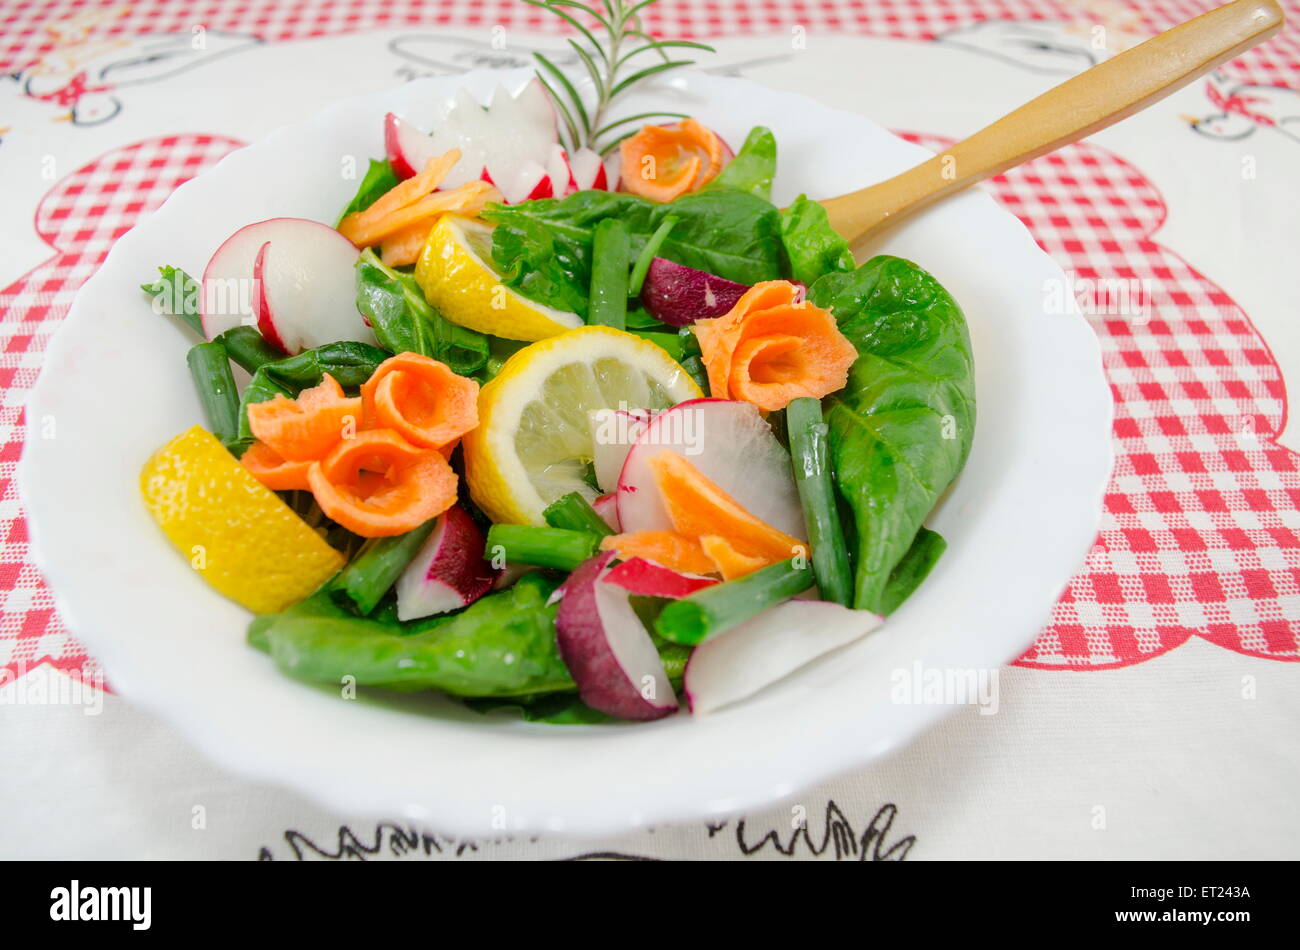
(714, 610)
(210, 370)
(812, 474)
(648, 254)
(363, 583)
(559, 548)
(574, 513)
(248, 348)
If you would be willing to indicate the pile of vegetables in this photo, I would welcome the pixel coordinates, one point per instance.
(713, 546)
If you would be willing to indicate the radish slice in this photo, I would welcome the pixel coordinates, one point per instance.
(732, 445)
(304, 285)
(587, 170)
(613, 431)
(448, 572)
(679, 295)
(606, 648)
(408, 149)
(639, 576)
(607, 507)
(766, 648)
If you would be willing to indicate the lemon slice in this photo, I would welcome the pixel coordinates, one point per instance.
(455, 272)
(533, 442)
(243, 539)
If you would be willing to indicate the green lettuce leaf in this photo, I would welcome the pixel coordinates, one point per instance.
(754, 166)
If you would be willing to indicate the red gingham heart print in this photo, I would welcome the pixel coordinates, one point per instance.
(80, 219)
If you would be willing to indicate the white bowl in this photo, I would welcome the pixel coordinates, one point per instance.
(1018, 522)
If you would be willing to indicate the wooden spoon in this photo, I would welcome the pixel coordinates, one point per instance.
(1091, 101)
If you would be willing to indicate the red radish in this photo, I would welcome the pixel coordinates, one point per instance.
(607, 507)
(639, 576)
(408, 149)
(587, 171)
(261, 306)
(679, 295)
(511, 573)
(606, 648)
(448, 572)
(612, 433)
(304, 282)
(736, 664)
(732, 445)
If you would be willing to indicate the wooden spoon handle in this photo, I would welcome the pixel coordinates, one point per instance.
(1090, 101)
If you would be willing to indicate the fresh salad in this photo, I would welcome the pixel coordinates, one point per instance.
(562, 413)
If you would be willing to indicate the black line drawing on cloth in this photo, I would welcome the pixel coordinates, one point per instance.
(1241, 108)
(83, 77)
(1039, 46)
(839, 839)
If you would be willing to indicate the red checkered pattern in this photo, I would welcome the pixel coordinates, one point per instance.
(80, 219)
(1195, 540)
(26, 23)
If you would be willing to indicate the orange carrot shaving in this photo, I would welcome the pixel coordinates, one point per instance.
(666, 548)
(402, 194)
(305, 428)
(698, 507)
(404, 247)
(468, 199)
(420, 398)
(377, 484)
(768, 350)
(663, 162)
(727, 561)
(273, 470)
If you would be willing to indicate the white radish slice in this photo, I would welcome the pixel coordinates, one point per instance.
(639, 576)
(764, 649)
(227, 296)
(448, 572)
(305, 285)
(613, 431)
(607, 649)
(588, 171)
(731, 445)
(558, 172)
(607, 507)
(408, 149)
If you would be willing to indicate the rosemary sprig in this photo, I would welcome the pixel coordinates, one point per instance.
(607, 59)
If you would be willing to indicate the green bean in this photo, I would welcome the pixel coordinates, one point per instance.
(248, 348)
(648, 252)
(378, 564)
(812, 475)
(559, 548)
(574, 513)
(609, 263)
(210, 370)
(714, 610)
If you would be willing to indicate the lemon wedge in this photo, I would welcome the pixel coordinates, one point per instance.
(534, 442)
(455, 272)
(243, 539)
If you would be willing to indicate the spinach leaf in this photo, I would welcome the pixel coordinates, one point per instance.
(927, 547)
(754, 166)
(543, 248)
(379, 178)
(812, 246)
(404, 322)
(501, 645)
(901, 429)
